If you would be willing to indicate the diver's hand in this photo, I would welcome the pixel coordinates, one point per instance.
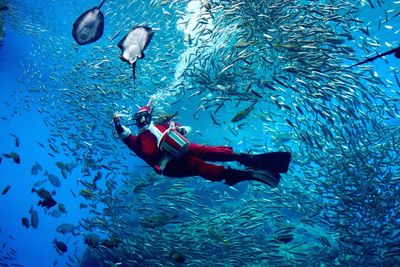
(117, 123)
(116, 118)
(183, 130)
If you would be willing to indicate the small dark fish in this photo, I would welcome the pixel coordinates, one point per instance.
(40, 144)
(34, 218)
(47, 199)
(3, 8)
(54, 180)
(89, 27)
(243, 114)
(42, 193)
(56, 213)
(177, 257)
(34, 169)
(290, 123)
(25, 222)
(60, 246)
(106, 167)
(62, 208)
(256, 94)
(72, 193)
(133, 45)
(87, 194)
(66, 228)
(98, 176)
(60, 165)
(17, 143)
(16, 158)
(47, 202)
(65, 173)
(6, 189)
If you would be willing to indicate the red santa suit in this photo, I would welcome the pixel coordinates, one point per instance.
(265, 168)
(193, 163)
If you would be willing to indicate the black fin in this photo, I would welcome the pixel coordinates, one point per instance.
(233, 176)
(266, 177)
(275, 162)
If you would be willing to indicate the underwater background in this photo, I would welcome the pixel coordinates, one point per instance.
(208, 61)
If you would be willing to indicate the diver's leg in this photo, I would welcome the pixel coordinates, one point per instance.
(212, 153)
(274, 162)
(192, 166)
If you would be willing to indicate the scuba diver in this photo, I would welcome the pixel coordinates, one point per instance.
(165, 148)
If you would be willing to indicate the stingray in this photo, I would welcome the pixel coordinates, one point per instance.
(133, 45)
(89, 27)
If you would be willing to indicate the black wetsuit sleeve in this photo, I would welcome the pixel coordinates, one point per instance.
(119, 129)
(118, 126)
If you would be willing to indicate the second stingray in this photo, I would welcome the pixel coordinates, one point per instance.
(133, 45)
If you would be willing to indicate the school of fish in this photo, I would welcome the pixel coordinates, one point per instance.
(256, 75)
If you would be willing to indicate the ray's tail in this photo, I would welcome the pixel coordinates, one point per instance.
(101, 4)
(395, 51)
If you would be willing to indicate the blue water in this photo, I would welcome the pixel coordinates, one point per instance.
(34, 247)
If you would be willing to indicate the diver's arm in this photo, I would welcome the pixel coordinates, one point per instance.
(117, 125)
(122, 131)
(125, 134)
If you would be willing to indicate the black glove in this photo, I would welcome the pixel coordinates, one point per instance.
(117, 125)
(181, 130)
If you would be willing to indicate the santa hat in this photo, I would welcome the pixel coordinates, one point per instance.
(145, 108)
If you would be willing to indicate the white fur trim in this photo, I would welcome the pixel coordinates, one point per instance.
(125, 133)
(155, 131)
